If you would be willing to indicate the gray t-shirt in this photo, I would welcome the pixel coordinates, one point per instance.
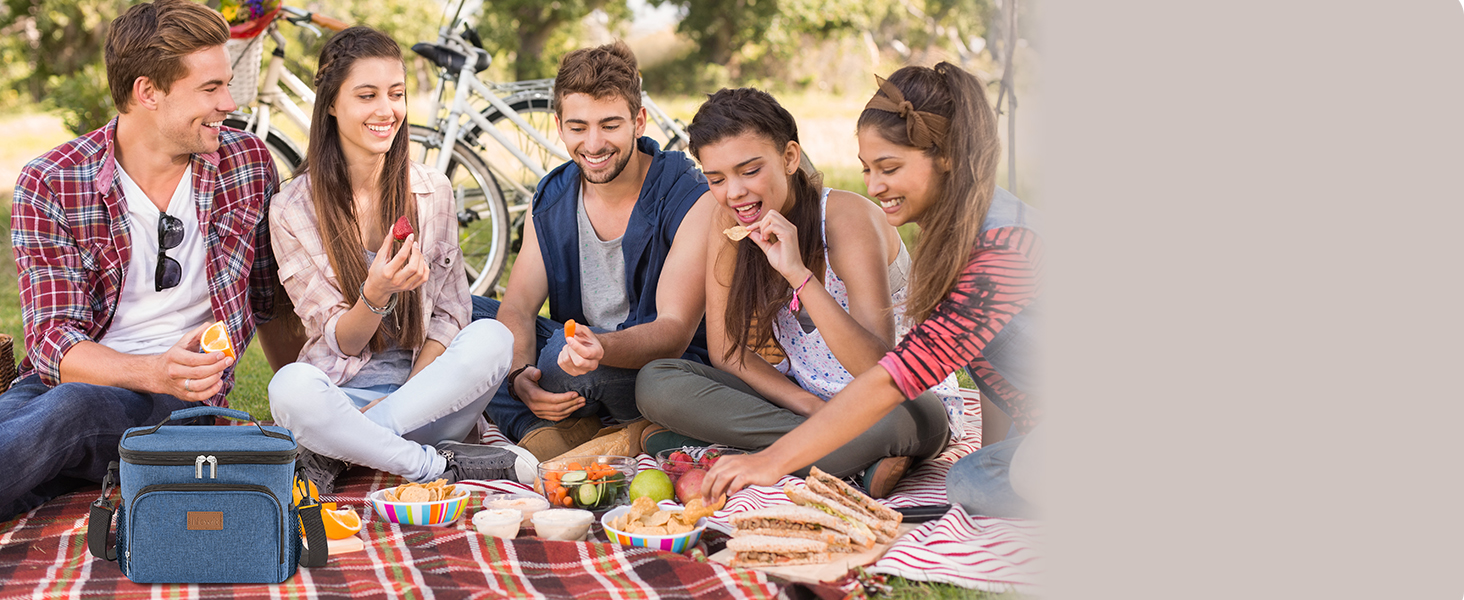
(392, 365)
(602, 274)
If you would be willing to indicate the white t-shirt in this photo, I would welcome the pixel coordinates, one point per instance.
(149, 321)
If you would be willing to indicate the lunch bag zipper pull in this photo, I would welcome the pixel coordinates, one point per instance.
(213, 467)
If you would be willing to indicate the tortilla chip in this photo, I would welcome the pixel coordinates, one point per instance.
(415, 494)
(695, 509)
(642, 506)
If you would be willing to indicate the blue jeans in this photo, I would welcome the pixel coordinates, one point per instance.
(606, 390)
(981, 482)
(55, 440)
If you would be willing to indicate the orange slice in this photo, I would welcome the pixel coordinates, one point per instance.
(216, 339)
(340, 524)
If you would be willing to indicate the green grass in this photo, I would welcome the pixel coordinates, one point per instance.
(902, 589)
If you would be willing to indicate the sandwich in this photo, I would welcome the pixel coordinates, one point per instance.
(770, 551)
(800, 522)
(834, 497)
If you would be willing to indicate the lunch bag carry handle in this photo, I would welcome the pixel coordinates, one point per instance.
(204, 411)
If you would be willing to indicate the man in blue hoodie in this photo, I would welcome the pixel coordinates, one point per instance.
(616, 243)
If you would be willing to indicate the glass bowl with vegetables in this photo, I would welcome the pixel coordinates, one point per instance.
(587, 482)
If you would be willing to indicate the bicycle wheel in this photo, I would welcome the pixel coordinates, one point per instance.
(288, 157)
(481, 213)
(537, 110)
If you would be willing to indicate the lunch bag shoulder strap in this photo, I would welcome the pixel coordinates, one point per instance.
(99, 522)
(316, 550)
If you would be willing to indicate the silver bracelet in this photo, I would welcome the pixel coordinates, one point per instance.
(390, 304)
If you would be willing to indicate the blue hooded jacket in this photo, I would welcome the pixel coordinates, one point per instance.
(672, 186)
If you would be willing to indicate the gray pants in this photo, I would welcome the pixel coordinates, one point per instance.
(709, 404)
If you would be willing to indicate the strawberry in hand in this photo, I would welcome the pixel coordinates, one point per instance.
(401, 229)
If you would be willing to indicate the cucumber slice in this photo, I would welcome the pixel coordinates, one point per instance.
(588, 494)
(574, 477)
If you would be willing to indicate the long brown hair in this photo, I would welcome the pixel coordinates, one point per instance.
(970, 149)
(757, 291)
(330, 185)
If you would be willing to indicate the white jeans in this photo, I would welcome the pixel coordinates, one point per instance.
(441, 403)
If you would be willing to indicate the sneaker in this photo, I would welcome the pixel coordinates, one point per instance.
(475, 461)
(322, 470)
(880, 478)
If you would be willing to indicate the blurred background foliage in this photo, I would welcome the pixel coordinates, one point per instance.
(51, 50)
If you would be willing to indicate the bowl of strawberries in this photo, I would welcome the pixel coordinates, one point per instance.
(677, 462)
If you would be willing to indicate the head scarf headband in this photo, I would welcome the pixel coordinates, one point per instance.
(925, 129)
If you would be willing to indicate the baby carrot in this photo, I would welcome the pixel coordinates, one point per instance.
(569, 329)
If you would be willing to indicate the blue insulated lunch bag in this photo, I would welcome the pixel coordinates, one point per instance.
(207, 504)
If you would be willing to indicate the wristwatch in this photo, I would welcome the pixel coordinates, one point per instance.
(511, 377)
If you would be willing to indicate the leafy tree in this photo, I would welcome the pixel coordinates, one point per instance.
(51, 51)
(537, 33)
(732, 33)
(59, 46)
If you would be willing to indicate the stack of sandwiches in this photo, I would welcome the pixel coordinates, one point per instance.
(829, 516)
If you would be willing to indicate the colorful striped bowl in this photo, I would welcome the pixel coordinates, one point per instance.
(440, 512)
(669, 543)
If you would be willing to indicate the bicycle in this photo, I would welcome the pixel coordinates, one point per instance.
(264, 96)
(511, 142)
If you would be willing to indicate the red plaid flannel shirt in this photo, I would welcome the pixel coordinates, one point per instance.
(69, 228)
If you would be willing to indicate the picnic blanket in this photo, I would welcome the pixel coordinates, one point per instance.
(43, 553)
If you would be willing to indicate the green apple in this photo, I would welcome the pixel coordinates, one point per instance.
(652, 483)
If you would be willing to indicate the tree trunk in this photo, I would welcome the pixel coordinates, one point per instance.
(536, 24)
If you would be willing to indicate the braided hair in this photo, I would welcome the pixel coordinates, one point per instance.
(330, 185)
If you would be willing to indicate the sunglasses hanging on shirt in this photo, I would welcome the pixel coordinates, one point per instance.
(170, 235)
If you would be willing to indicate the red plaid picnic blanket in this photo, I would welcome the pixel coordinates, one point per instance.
(43, 554)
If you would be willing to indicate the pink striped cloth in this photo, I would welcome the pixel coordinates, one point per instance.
(985, 553)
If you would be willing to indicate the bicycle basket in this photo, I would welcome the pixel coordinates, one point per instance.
(246, 55)
(247, 18)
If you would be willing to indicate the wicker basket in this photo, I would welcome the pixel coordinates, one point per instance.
(8, 372)
(246, 55)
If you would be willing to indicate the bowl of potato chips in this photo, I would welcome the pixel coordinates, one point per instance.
(643, 524)
(435, 503)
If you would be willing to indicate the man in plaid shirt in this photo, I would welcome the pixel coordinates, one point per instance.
(130, 241)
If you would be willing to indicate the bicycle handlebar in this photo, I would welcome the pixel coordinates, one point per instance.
(300, 16)
(328, 23)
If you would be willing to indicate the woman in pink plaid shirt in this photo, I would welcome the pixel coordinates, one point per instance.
(395, 373)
